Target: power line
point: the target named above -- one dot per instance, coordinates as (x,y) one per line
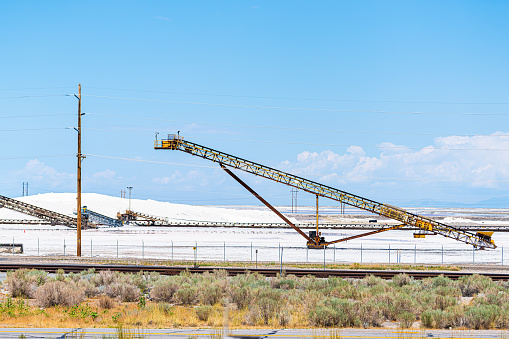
(149,161)
(34,96)
(37,156)
(304,99)
(321,144)
(292,128)
(310,174)
(295,108)
(33,129)
(34,116)
(32,88)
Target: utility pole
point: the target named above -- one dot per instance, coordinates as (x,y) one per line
(80,158)
(130,188)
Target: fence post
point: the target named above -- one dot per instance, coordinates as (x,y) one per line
(473,255)
(307,253)
(361,253)
(251,252)
(12,246)
(256,253)
(502,255)
(281,263)
(64,247)
(224,250)
(172,250)
(415,253)
(442,254)
(279,251)
(37,246)
(334,253)
(142,249)
(389,253)
(324,258)
(117,248)
(90,248)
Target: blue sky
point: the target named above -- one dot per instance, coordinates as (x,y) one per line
(403,102)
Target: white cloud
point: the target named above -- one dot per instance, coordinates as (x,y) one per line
(36,170)
(107,174)
(470,159)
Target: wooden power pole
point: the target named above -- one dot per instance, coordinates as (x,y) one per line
(78,224)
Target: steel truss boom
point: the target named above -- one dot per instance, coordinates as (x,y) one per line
(478,240)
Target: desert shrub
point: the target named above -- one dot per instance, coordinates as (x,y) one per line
(105,278)
(106,302)
(220,274)
(283,283)
(186,294)
(23,282)
(441,281)
(89,289)
(144,280)
(406,319)
(386,304)
(333,312)
(59,293)
(203,312)
(443,302)
(481,317)
(210,294)
(241,296)
(403,303)
(474,284)
(402,279)
(123,291)
(164,289)
(435,319)
(60,275)
(266,306)
(371,281)
(370,314)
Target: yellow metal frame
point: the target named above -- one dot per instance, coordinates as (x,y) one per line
(175,142)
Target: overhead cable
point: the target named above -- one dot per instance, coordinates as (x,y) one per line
(295,108)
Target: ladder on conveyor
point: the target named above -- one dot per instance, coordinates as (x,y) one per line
(99,219)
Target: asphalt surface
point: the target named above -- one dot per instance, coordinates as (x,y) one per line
(266,333)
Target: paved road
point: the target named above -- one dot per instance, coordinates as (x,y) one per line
(280,334)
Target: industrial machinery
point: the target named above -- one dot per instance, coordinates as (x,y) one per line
(480,240)
(141,219)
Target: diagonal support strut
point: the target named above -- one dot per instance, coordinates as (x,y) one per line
(266,203)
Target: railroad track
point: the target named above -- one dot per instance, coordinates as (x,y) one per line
(269,272)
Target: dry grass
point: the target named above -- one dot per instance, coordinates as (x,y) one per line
(254,301)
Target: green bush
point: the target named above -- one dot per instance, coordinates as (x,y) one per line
(482,317)
(406,319)
(333,312)
(203,312)
(186,294)
(435,319)
(474,284)
(164,289)
(402,279)
(210,294)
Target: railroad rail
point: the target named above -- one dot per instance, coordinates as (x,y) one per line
(269,272)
